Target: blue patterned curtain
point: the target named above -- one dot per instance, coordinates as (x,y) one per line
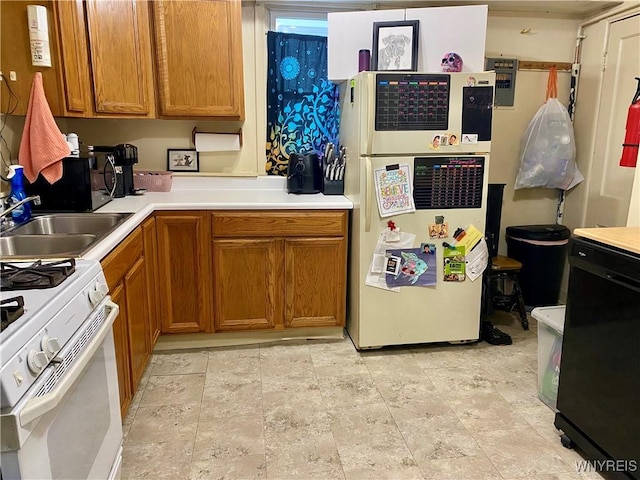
(303,111)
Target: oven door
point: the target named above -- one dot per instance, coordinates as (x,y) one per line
(69,425)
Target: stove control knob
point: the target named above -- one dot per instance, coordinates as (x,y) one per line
(97,292)
(50,346)
(36,361)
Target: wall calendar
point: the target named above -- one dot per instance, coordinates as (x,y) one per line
(448,182)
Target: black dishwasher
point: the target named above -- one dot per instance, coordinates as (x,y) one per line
(599,390)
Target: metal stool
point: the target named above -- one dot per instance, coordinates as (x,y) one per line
(495,294)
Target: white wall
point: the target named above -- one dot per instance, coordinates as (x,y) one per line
(549,40)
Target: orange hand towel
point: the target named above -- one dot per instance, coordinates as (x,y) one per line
(42,145)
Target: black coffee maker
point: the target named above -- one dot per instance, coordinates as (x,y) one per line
(118,168)
(304,173)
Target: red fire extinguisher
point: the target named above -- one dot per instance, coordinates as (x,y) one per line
(632,137)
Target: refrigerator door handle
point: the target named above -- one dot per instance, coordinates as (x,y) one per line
(370,115)
(368,193)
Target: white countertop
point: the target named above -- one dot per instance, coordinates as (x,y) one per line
(211,193)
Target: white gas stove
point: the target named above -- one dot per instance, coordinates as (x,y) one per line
(58,371)
(51,316)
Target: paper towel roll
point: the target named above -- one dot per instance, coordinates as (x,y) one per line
(217,142)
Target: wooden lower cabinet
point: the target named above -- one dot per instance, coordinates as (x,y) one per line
(151,256)
(275,270)
(184,285)
(247,284)
(315,282)
(135,284)
(198,271)
(121,342)
(125,270)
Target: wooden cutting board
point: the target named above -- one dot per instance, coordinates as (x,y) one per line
(627,238)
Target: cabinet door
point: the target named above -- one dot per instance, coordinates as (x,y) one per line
(120,48)
(150,256)
(75,76)
(315,278)
(247,284)
(183,271)
(199,58)
(121,341)
(135,284)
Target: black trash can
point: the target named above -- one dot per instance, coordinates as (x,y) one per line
(542,250)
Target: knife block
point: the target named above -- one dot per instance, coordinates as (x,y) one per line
(333,187)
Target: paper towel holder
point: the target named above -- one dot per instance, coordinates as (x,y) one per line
(196,131)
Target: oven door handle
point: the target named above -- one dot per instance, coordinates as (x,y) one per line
(38,406)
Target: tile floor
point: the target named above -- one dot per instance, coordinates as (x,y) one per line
(321,410)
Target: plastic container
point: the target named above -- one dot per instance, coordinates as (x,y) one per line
(16,176)
(364,60)
(550,332)
(542,250)
(74,144)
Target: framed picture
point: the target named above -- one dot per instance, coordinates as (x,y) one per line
(395,46)
(185,160)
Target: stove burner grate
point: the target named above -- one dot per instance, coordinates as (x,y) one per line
(35,275)
(10,310)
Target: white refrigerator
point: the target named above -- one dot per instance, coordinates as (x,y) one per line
(390,119)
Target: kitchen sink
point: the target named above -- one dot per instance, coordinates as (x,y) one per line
(44,246)
(58,234)
(70,223)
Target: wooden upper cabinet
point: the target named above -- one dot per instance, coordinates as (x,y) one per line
(199,58)
(15,56)
(75,74)
(120,52)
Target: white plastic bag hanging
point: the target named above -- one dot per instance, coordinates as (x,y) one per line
(547,148)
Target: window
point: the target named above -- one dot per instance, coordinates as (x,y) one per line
(304,23)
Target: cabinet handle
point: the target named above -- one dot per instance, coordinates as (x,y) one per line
(629,282)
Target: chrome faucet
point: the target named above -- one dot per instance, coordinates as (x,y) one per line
(35,199)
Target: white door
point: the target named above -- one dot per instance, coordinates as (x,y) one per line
(609,184)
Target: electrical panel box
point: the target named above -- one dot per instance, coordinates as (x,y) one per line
(505,69)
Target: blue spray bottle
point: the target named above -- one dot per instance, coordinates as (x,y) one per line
(23,212)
